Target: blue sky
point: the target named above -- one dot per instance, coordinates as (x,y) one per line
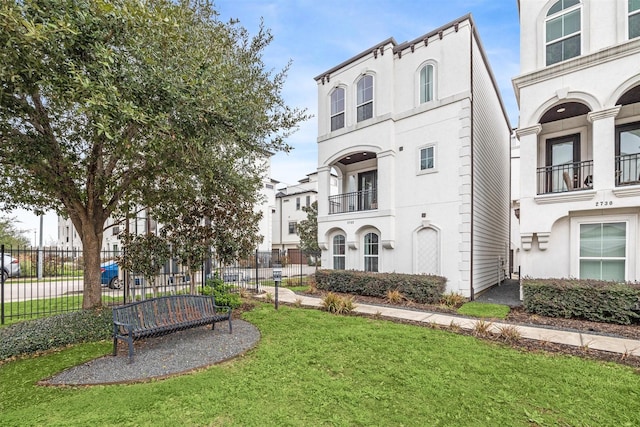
(317,35)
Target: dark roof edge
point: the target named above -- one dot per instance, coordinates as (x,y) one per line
(358,56)
(406,45)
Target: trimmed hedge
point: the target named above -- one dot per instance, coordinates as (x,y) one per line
(599,301)
(420,288)
(46,333)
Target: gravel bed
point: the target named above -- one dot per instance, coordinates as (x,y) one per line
(164,356)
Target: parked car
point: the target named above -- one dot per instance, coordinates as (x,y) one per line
(109,275)
(11,267)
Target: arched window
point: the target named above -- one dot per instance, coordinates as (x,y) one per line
(339,252)
(371,248)
(337,109)
(563,29)
(426,83)
(364,103)
(634,19)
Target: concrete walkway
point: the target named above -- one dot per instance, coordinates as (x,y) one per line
(623,346)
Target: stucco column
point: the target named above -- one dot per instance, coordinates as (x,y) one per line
(386,179)
(604,148)
(324,177)
(528,160)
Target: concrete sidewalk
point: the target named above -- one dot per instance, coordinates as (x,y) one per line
(623,346)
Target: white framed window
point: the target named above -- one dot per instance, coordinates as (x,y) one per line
(293,227)
(337,109)
(634,18)
(297,203)
(426,83)
(339,252)
(371,252)
(308,201)
(563,31)
(603,247)
(364,101)
(427,158)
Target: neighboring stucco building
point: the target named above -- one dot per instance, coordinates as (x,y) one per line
(579,97)
(288,212)
(419,139)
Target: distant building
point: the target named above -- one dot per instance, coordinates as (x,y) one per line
(288,213)
(419,139)
(579,132)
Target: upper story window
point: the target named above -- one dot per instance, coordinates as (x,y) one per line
(562,27)
(426,84)
(634,19)
(297,203)
(364,102)
(337,109)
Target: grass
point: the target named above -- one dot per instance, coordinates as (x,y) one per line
(312,368)
(484,310)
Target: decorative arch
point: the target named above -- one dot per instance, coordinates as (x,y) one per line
(561,98)
(350,150)
(622,89)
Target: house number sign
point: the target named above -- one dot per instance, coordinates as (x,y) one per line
(605,203)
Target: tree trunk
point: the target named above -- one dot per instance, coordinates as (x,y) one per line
(91,248)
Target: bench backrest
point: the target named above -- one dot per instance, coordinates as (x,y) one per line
(161,311)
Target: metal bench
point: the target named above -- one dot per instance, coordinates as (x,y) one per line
(163,315)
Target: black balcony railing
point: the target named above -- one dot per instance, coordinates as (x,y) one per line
(568,177)
(628,169)
(353,202)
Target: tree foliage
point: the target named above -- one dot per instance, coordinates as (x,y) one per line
(10,235)
(308,231)
(109,104)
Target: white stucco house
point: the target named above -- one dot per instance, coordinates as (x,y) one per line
(419,139)
(579,98)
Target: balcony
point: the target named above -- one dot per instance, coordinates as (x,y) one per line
(567,177)
(357,201)
(627,169)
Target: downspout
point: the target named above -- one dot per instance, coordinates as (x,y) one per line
(471,292)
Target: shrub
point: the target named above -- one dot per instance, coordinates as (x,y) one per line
(599,301)
(482,329)
(423,289)
(336,304)
(395,296)
(222,292)
(509,334)
(452,299)
(46,333)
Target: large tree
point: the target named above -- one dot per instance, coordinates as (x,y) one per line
(106,105)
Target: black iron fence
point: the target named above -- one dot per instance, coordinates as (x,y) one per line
(566,177)
(364,200)
(39,282)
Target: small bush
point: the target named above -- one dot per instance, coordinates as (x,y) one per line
(394,296)
(56,331)
(452,299)
(222,293)
(482,329)
(336,304)
(509,334)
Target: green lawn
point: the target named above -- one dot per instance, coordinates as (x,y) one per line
(312,368)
